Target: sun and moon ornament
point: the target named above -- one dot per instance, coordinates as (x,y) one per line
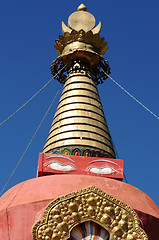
(82,212)
(81,39)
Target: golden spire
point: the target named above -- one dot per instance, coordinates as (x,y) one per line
(79,126)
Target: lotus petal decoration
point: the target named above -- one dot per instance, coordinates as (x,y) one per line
(89,231)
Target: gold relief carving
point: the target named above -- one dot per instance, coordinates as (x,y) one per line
(89,204)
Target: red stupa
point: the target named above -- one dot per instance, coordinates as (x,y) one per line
(78,192)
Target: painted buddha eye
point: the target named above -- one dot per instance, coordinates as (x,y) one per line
(103,170)
(59,166)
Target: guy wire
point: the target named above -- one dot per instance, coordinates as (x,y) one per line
(31,98)
(131,96)
(30,141)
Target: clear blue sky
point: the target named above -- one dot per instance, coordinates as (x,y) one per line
(28,30)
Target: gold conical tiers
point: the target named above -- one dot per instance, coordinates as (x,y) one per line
(79,126)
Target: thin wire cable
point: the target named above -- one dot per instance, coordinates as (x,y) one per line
(30,142)
(132,96)
(30,98)
(125,177)
(118,158)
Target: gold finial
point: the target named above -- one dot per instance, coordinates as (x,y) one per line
(81,29)
(82,7)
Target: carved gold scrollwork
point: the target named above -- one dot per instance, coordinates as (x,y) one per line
(98,74)
(89,204)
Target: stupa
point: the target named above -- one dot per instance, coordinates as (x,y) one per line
(78,192)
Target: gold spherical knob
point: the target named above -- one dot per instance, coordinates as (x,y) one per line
(82,7)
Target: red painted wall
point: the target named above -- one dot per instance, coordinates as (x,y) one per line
(23,205)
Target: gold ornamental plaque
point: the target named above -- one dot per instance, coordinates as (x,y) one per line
(89,204)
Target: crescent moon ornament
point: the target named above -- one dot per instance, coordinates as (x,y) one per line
(97,29)
(65,28)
